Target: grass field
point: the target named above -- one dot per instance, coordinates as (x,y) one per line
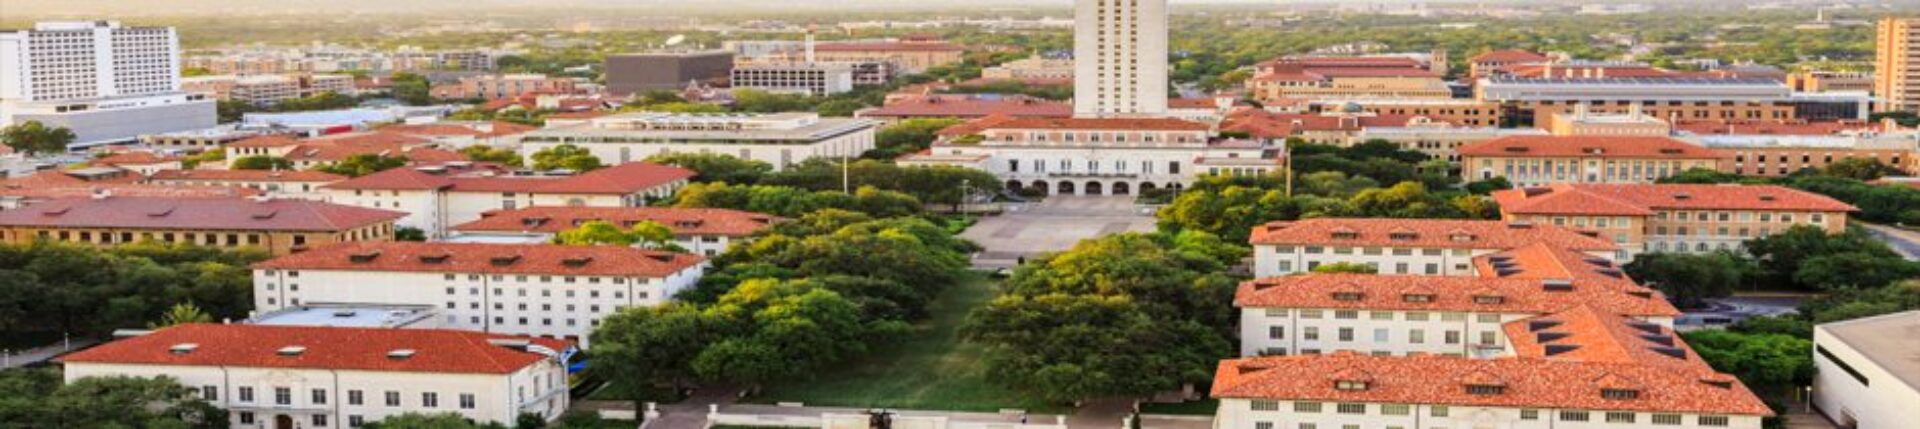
(1204,407)
(930,370)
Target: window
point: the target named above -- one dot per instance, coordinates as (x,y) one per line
(246,418)
(354,397)
(1573,416)
(1438,411)
(1619,393)
(1276,332)
(1666,419)
(1713,420)
(393,398)
(1351,408)
(1262,425)
(1306,407)
(1350,385)
(1396,409)
(319,420)
(1529,414)
(466,401)
(354,421)
(429,400)
(1264,405)
(246,394)
(1619,417)
(319,396)
(210,393)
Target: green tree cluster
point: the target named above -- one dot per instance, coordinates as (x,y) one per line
(795,202)
(364,164)
(1231,207)
(35,398)
(497,155)
(908,136)
(713,167)
(566,157)
(646,234)
(259,162)
(34,137)
(53,288)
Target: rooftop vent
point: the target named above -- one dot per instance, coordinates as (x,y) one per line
(1485,389)
(1348,296)
(1548,337)
(1664,340)
(662,257)
(161,212)
(1609,272)
(1417,297)
(534,221)
(1520,225)
(1489,299)
(1673,352)
(364,257)
(183,348)
(1537,325)
(292,350)
(502,261)
(1722,381)
(1682,196)
(439,258)
(1671,151)
(1558,349)
(400,354)
(1766,198)
(269,214)
(1645,327)
(1557,285)
(1516,149)
(1621,394)
(577,262)
(342,314)
(1641,293)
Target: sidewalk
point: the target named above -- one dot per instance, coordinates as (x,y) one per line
(21,358)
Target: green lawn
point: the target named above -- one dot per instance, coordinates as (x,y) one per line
(1203,407)
(930,370)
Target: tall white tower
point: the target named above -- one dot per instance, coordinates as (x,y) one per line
(1120,58)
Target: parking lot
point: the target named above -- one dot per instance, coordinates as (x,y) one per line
(1053,225)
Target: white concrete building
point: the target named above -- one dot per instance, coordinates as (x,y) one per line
(1866,372)
(706,232)
(105,82)
(1120,58)
(547,291)
(1405,246)
(303,185)
(781,139)
(438,197)
(1094,156)
(303,377)
(815,79)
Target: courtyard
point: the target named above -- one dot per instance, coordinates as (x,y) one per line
(1053,225)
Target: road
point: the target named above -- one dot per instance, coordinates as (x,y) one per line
(1907,243)
(21,358)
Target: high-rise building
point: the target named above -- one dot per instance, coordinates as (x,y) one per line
(106,82)
(666,71)
(1120,58)
(1894,60)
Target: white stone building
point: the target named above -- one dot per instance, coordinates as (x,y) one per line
(1866,375)
(781,139)
(302,377)
(1095,156)
(105,82)
(1120,58)
(706,232)
(1405,246)
(543,290)
(438,197)
(815,79)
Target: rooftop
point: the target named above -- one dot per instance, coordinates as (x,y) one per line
(623,179)
(970,106)
(1423,233)
(686,221)
(345,316)
(1889,341)
(245,214)
(245,176)
(543,259)
(1587,146)
(1645,199)
(1446,293)
(365,349)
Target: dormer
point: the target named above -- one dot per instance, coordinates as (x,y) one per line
(502,261)
(1344,233)
(1482,383)
(1352,380)
(291,351)
(1402,234)
(363,257)
(577,261)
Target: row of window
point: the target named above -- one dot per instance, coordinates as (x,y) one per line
(1444,411)
(284,396)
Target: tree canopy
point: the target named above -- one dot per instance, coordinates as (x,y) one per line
(36,398)
(566,157)
(34,137)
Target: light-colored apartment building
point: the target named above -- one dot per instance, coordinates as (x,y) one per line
(1545,160)
(706,232)
(781,139)
(1864,374)
(436,198)
(1896,64)
(1119,52)
(1674,218)
(1088,156)
(105,82)
(278,226)
(1404,246)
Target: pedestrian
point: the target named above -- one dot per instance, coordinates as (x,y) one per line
(1023,417)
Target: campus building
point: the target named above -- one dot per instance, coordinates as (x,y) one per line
(706,232)
(1674,218)
(543,290)
(1896,64)
(1405,246)
(506,87)
(629,74)
(1119,53)
(780,139)
(268,90)
(1086,156)
(1672,98)
(438,197)
(813,79)
(278,226)
(105,82)
(273,377)
(1341,78)
(1864,372)
(304,185)
(1545,160)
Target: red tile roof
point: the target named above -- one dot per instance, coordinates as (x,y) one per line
(241,214)
(629,178)
(544,259)
(274,140)
(1103,124)
(682,221)
(133,158)
(1264,124)
(1525,383)
(363,349)
(245,176)
(1795,128)
(497,128)
(1587,147)
(1446,293)
(1645,199)
(967,106)
(48,185)
(1508,56)
(1590,334)
(1326,73)
(1422,233)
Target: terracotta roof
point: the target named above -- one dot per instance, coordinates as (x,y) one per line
(1263,124)
(1584,71)
(1348,62)
(1524,383)
(1587,147)
(498,128)
(1589,334)
(54,185)
(1794,128)
(364,349)
(910,46)
(1325,73)
(134,158)
(1193,103)
(976,126)
(1444,293)
(968,106)
(195,214)
(579,115)
(1645,199)
(245,176)
(621,179)
(274,140)
(683,221)
(1104,124)
(1508,56)
(474,258)
(1422,233)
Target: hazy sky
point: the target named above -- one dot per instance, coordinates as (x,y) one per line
(17,8)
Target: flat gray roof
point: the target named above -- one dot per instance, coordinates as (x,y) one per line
(1891,341)
(346,316)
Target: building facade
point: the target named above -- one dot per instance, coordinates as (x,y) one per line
(105,82)
(707,232)
(304,185)
(541,290)
(814,79)
(1082,156)
(278,226)
(438,197)
(1119,52)
(506,87)
(1674,218)
(1863,376)
(779,139)
(1400,246)
(1896,64)
(1545,160)
(1535,100)
(274,377)
(666,71)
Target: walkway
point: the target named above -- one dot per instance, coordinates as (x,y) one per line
(1905,242)
(19,358)
(1052,225)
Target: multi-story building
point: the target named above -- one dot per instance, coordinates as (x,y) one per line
(286,377)
(907,55)
(1404,246)
(965,106)
(46,186)
(778,139)
(1329,128)
(1438,140)
(815,79)
(700,231)
(1088,156)
(1584,122)
(1826,81)
(1119,51)
(1486,63)
(1674,218)
(279,226)
(505,87)
(438,197)
(1456,111)
(1534,100)
(105,82)
(306,154)
(204,139)
(666,71)
(1340,78)
(1781,155)
(267,90)
(295,184)
(1544,160)
(1864,374)
(543,290)
(1037,67)
(1896,64)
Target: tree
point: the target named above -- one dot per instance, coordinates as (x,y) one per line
(230,111)
(839,108)
(36,398)
(497,155)
(429,421)
(653,344)
(1783,254)
(364,164)
(908,136)
(713,167)
(412,89)
(260,162)
(408,233)
(1703,176)
(1689,280)
(1865,169)
(1346,267)
(1066,347)
(181,313)
(35,138)
(1853,270)
(1486,187)
(647,234)
(1761,360)
(566,157)
(51,288)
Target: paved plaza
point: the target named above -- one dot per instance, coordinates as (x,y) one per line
(1053,225)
